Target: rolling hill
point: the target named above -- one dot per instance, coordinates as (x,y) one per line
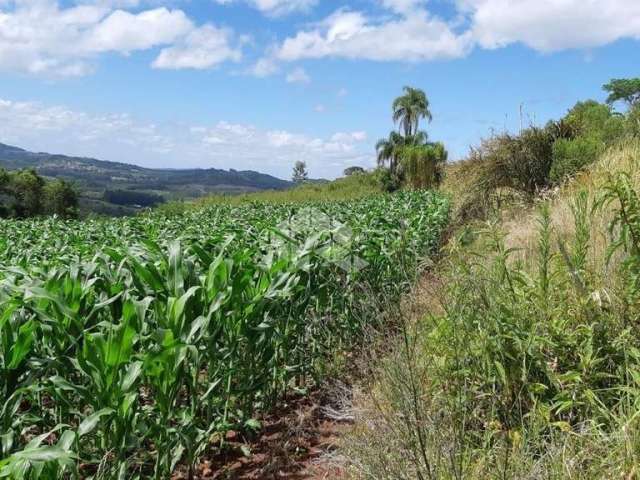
(120,188)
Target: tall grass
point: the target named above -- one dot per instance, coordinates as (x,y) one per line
(530,367)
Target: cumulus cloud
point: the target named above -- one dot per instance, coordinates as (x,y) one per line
(298,75)
(354,35)
(410,32)
(551,25)
(276,7)
(41,37)
(121,137)
(202,48)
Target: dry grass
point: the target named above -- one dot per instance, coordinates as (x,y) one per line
(393,417)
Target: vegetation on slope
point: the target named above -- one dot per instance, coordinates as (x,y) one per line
(132,183)
(526,363)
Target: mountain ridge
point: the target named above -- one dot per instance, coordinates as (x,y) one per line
(99,179)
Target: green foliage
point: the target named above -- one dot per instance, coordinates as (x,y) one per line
(60,198)
(632,123)
(387,180)
(410,156)
(132,345)
(24,193)
(571,156)
(353,171)
(594,128)
(530,364)
(409,108)
(626,89)
(346,188)
(389,150)
(422,165)
(26,188)
(538,158)
(517,162)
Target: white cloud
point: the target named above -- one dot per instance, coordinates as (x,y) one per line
(343,92)
(202,48)
(350,34)
(121,137)
(412,33)
(276,7)
(349,137)
(263,68)
(551,25)
(319,108)
(40,37)
(298,75)
(122,31)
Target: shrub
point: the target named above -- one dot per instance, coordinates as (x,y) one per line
(422,165)
(594,127)
(570,156)
(518,162)
(387,180)
(632,122)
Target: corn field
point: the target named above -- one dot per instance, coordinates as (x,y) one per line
(128,347)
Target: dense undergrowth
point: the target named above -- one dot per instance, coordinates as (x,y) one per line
(129,347)
(527,363)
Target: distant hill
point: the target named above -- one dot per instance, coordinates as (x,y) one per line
(120,188)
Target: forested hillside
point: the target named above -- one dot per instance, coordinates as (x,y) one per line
(119,188)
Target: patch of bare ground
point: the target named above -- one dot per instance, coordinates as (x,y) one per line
(297,441)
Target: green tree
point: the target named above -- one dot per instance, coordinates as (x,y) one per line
(300,173)
(409,108)
(388,150)
(26,188)
(626,89)
(355,170)
(60,198)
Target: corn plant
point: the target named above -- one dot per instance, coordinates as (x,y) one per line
(130,346)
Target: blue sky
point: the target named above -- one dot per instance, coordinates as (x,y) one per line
(259,84)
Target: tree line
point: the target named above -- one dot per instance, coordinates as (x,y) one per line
(24,193)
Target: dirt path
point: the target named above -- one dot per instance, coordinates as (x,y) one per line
(297,441)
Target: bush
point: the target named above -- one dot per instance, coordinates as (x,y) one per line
(519,162)
(386,180)
(591,117)
(632,122)
(570,156)
(422,165)
(594,127)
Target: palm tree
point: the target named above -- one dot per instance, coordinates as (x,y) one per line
(388,150)
(409,108)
